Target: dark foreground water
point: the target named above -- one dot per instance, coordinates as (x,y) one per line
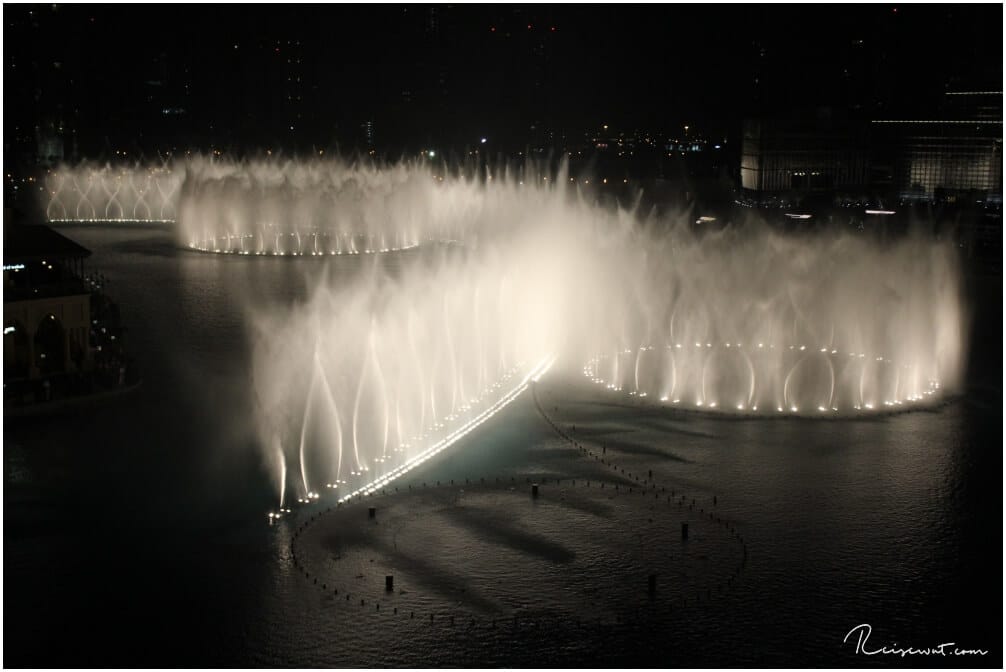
(141,539)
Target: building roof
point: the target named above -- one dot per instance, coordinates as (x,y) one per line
(30,242)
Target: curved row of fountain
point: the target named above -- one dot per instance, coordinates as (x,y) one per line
(790,379)
(372,373)
(370,379)
(754,321)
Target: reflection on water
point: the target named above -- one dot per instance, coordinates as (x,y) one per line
(142,540)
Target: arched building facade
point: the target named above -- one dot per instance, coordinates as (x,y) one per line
(47,311)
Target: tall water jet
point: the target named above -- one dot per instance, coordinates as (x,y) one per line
(747,319)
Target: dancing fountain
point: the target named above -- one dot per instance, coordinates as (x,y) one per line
(373,375)
(315,208)
(259,207)
(752,321)
(93,193)
(745,320)
(362,384)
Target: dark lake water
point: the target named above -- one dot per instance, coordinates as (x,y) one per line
(141,538)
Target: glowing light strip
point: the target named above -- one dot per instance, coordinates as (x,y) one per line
(880,212)
(109,220)
(545,370)
(533,375)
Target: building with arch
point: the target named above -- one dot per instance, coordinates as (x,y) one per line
(47,311)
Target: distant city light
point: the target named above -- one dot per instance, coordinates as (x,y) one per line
(936,121)
(431,153)
(483,141)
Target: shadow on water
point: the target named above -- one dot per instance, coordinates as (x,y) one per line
(439,578)
(494,528)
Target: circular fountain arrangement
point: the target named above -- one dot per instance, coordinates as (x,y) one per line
(762,379)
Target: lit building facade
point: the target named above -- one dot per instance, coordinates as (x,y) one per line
(953,155)
(47,308)
(789,159)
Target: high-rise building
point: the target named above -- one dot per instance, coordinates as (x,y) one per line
(792,159)
(948,156)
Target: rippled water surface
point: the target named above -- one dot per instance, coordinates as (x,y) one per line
(141,538)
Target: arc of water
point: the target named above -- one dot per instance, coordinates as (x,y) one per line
(334,411)
(751,371)
(318,374)
(113,198)
(167,198)
(674,376)
(501,307)
(140,197)
(55,196)
(702,383)
(635,368)
(383,393)
(418,364)
(785,385)
(862,382)
(831,391)
(398,414)
(281,458)
(356,412)
(303,426)
(480,359)
(451,354)
(84,197)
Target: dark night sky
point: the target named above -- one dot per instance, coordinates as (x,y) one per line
(228,75)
